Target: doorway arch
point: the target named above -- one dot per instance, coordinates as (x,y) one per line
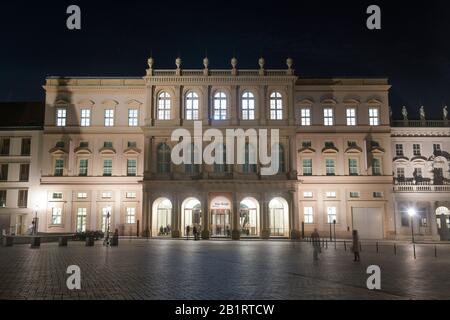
(249,217)
(443,223)
(220,217)
(162,217)
(191,215)
(279,217)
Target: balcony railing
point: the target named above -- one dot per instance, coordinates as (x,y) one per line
(420,185)
(421,123)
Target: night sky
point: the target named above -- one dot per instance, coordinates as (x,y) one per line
(325,38)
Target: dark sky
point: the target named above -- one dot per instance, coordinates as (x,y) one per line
(325,38)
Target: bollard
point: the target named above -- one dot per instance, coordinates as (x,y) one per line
(326,244)
(395,249)
(360,247)
(35,242)
(414,248)
(377,246)
(345,246)
(435,251)
(62,241)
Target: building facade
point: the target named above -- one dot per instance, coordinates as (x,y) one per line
(107,146)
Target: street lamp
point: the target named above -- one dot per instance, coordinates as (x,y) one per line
(412,213)
(35,221)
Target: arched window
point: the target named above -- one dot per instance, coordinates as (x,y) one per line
(281,162)
(164,106)
(163,158)
(248,106)
(276,106)
(220,106)
(192,168)
(250,159)
(192,106)
(222,155)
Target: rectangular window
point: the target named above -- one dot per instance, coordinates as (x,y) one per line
(378,194)
(416,150)
(83,169)
(61,117)
(351,117)
(56,216)
(132,144)
(354,194)
(25,149)
(57,195)
(306,116)
(330,194)
(330,168)
(328,117)
(401,173)
(399,150)
(109,117)
(306,144)
(131,167)
(307,194)
(308,215)
(23,199)
(376,167)
(59,167)
(307,167)
(4,147)
(106,195)
(84,144)
(374,118)
(352,144)
(132,117)
(329,144)
(353,167)
(4,172)
(2,198)
(418,172)
(107,144)
(331,214)
(131,215)
(107,167)
(437,147)
(85,117)
(130,195)
(24,172)
(60,144)
(81,219)
(82,195)
(404,217)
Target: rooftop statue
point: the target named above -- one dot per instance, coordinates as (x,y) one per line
(422,113)
(405,113)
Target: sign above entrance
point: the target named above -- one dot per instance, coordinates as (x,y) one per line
(220,203)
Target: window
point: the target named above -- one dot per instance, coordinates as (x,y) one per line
(307,167)
(250,159)
(107,167)
(437,147)
(107,144)
(374,119)
(60,144)
(221,156)
(330,194)
(109,117)
(107,195)
(132,144)
(164,106)
(130,195)
(85,117)
(4,172)
(308,215)
(417,173)
(82,195)
(81,219)
(378,194)
(404,217)
(23,199)
(131,215)
(248,106)
(401,173)
(83,169)
(57,195)
(353,167)
(416,149)
(305,115)
(84,144)
(192,106)
(2,198)
(56,216)
(307,194)
(163,158)
(4,148)
(306,144)
(329,166)
(328,117)
(26,147)
(331,214)
(351,117)
(399,150)
(329,144)
(376,167)
(59,167)
(352,144)
(220,106)
(131,167)
(276,106)
(132,117)
(24,172)
(192,168)
(61,117)
(354,194)
(106,216)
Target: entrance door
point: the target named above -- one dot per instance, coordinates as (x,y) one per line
(220,222)
(368,222)
(443,223)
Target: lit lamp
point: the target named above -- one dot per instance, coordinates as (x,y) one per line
(35,221)
(412,213)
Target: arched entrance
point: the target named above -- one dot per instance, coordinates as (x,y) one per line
(249,217)
(443,223)
(162,217)
(191,210)
(220,217)
(279,217)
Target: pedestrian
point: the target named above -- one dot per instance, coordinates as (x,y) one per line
(315,239)
(355,246)
(188,231)
(194,231)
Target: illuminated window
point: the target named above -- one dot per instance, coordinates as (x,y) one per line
(331,214)
(56,216)
(192,106)
(308,215)
(248,106)
(374,119)
(351,117)
(130,215)
(61,117)
(305,116)
(328,119)
(276,106)
(164,106)
(109,117)
(220,106)
(132,117)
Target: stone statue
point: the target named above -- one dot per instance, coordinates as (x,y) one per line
(234,62)
(289,63)
(150,62)
(206,62)
(405,113)
(422,113)
(178,62)
(261,62)
(445,112)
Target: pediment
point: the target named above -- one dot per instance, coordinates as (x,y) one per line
(110,103)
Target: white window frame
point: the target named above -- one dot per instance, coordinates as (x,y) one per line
(305,115)
(133,117)
(330,194)
(331,214)
(192,106)
(308,194)
(308,215)
(56,216)
(130,215)
(85,120)
(399,152)
(374,116)
(109,117)
(328,116)
(164,106)
(82,195)
(61,117)
(351,116)
(276,106)
(419,149)
(220,102)
(248,106)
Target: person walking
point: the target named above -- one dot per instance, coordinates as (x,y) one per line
(194,231)
(355,246)
(315,239)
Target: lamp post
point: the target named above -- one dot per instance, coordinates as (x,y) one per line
(412,213)
(35,221)
(334,229)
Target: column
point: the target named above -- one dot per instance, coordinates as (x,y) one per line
(265,231)
(433,222)
(175,216)
(145,223)
(262,105)
(205,216)
(290,104)
(292,158)
(235,233)
(295,226)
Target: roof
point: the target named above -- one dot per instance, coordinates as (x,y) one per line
(22,115)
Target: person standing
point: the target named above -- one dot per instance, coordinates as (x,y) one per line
(188,231)
(355,246)
(194,231)
(315,239)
